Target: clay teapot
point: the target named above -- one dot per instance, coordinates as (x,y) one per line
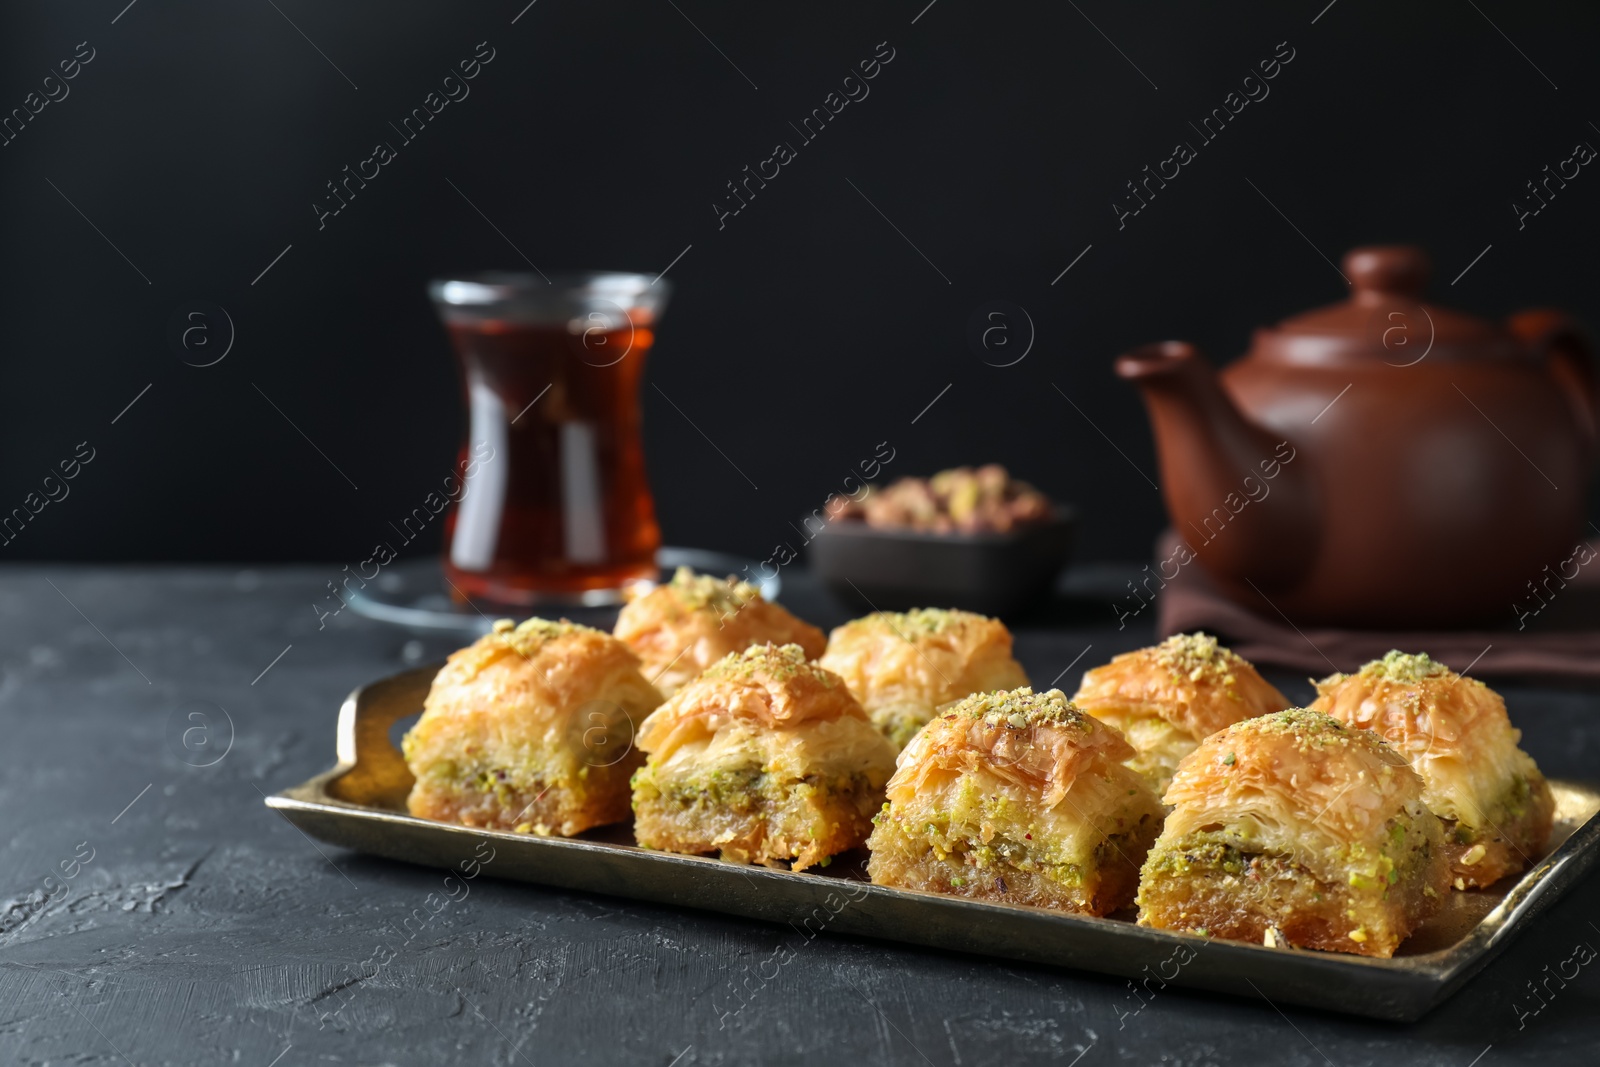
(1381,462)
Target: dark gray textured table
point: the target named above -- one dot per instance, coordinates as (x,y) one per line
(155,912)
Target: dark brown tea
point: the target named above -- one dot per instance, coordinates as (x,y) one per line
(558,508)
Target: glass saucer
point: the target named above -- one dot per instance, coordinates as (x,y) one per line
(416,595)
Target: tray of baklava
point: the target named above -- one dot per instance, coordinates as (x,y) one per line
(1175,821)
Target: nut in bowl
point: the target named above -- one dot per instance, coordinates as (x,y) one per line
(971,539)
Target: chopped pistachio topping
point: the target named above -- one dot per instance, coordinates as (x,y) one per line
(703,591)
(1404,668)
(1295,721)
(1196,655)
(530,635)
(918,622)
(1022,708)
(1309,728)
(783,662)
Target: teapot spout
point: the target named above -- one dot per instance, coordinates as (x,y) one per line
(1241,497)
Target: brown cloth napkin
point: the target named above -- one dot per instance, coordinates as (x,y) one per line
(1561,640)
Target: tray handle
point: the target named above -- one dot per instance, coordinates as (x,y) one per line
(374,771)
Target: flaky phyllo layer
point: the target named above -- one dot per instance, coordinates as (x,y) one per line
(764,757)
(1453,730)
(904,666)
(530,728)
(1016,795)
(681,628)
(1291,825)
(1296,784)
(1455,733)
(1158,745)
(1168,698)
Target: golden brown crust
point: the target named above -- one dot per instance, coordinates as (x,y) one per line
(1167,698)
(1189,680)
(1291,768)
(1293,824)
(1456,734)
(766,685)
(904,666)
(1038,741)
(1020,797)
(681,628)
(764,758)
(530,728)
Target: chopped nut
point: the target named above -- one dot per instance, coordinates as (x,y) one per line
(1270,938)
(723,595)
(1194,656)
(1398,667)
(1359,934)
(960,500)
(1473,855)
(1022,708)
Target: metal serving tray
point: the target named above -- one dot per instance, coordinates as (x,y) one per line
(360,804)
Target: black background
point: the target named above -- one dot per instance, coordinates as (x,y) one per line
(805,331)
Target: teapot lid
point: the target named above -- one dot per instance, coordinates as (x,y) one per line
(1384,318)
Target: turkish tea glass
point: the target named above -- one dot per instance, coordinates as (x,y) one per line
(555,507)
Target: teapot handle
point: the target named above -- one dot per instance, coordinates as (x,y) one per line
(1569,352)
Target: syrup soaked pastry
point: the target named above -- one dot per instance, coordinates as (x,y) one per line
(1293,830)
(681,628)
(904,666)
(1495,804)
(1169,698)
(763,758)
(530,728)
(1017,797)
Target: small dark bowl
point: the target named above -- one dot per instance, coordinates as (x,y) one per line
(990,573)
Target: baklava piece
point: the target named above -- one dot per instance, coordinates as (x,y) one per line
(1169,698)
(904,666)
(1292,830)
(530,728)
(763,758)
(681,628)
(1017,797)
(1495,804)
